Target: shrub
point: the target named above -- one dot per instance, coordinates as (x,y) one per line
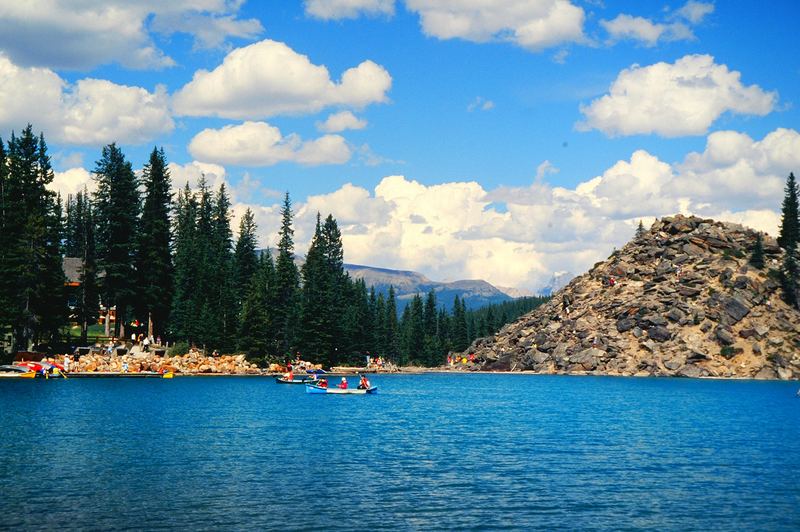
(179,348)
(728,351)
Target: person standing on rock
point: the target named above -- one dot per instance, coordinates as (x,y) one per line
(565,302)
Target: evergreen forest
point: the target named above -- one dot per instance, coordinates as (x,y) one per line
(171,263)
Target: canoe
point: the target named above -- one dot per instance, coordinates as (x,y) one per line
(310,388)
(168,375)
(281,380)
(17,375)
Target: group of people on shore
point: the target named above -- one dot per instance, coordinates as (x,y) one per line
(454,359)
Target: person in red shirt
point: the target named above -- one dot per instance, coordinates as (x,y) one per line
(363,383)
(343,384)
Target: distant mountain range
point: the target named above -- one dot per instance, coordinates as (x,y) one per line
(475,292)
(558,281)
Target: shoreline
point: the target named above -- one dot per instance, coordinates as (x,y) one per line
(408,371)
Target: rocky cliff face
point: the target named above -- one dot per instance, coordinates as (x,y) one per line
(683,302)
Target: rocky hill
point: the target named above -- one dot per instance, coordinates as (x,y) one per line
(683,302)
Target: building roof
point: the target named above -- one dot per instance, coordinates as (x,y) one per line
(73,266)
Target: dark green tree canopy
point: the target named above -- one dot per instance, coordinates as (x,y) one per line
(790,220)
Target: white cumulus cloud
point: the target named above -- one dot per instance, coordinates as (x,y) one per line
(695,11)
(674,99)
(89,112)
(341,9)
(341,121)
(84,34)
(531,24)
(191,173)
(268,78)
(72,181)
(81,35)
(260,144)
(519,236)
(644,30)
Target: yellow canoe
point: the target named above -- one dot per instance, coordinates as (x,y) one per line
(168,375)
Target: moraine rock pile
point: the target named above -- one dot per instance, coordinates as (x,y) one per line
(683,302)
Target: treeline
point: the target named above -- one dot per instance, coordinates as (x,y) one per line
(173,263)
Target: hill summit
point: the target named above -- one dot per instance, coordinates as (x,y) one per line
(678,300)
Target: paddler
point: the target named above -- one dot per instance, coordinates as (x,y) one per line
(363,383)
(343,385)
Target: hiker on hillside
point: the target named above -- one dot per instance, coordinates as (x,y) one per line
(565,302)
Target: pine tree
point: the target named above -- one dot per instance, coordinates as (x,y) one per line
(51,306)
(6,246)
(379,337)
(443,326)
(207,325)
(338,280)
(31,270)
(640,230)
(460,331)
(223,302)
(183,321)
(117,211)
(88,300)
(416,330)
(392,328)
(790,221)
(431,346)
(356,331)
(154,258)
(254,324)
(757,258)
(287,280)
(315,337)
(245,260)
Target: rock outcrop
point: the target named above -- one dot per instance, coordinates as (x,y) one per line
(192,362)
(681,300)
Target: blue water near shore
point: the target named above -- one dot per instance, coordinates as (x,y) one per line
(429,452)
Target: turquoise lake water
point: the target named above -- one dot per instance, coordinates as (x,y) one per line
(429,452)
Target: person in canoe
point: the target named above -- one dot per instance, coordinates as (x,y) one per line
(323,383)
(364,383)
(343,385)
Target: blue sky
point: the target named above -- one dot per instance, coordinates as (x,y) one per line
(505,139)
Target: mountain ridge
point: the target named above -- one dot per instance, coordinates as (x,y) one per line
(476,293)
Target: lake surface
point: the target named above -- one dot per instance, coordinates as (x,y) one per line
(428,452)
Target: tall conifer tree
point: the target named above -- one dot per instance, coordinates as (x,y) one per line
(117,209)
(154,257)
(790,221)
(287,280)
(223,302)
(88,300)
(392,327)
(315,337)
(184,305)
(254,325)
(245,261)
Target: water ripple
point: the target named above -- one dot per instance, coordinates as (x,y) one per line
(430,452)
